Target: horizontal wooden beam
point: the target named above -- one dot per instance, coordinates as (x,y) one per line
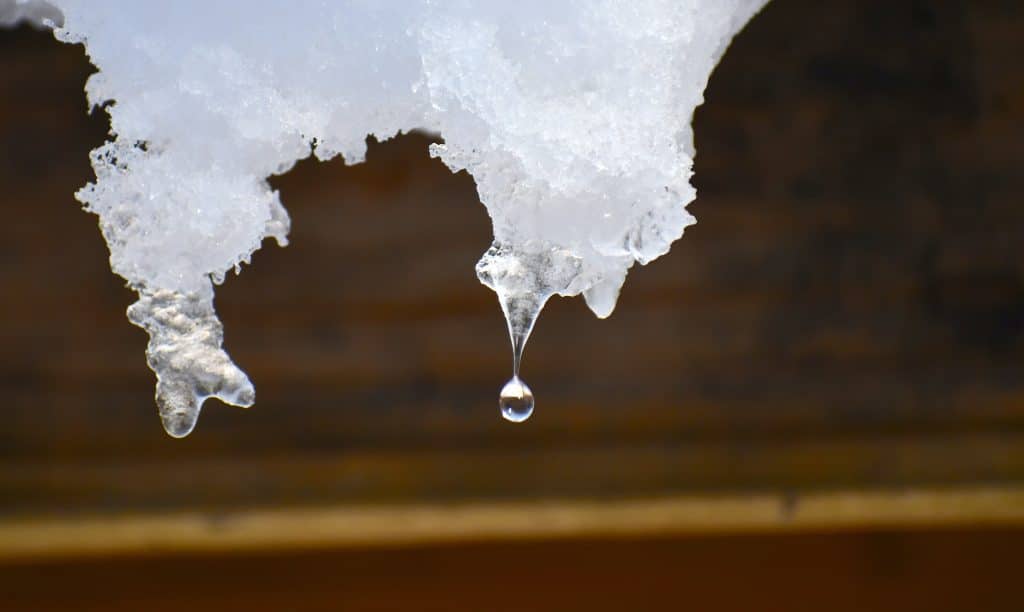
(393,525)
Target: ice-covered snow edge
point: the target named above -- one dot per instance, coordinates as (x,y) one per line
(572,117)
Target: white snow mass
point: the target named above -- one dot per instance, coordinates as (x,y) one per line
(572,116)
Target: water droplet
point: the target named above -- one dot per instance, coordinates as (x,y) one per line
(516,401)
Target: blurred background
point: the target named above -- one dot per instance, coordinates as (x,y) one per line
(814,402)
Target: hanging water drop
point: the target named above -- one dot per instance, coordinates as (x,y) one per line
(516,400)
(524,281)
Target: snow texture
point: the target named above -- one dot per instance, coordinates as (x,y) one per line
(572,116)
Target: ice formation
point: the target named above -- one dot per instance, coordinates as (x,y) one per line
(572,116)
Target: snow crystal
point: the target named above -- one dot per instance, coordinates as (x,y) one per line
(573,118)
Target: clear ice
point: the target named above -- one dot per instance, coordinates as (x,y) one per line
(185,351)
(573,118)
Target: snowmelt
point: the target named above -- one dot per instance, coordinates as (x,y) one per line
(572,116)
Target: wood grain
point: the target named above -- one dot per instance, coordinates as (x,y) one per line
(920,571)
(284,531)
(848,313)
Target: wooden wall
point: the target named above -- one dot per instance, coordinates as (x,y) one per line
(847,314)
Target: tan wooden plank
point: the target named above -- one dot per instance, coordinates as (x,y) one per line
(382,525)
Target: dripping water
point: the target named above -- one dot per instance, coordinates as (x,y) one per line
(516,399)
(524,277)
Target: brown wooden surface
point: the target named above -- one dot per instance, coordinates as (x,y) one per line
(960,571)
(848,312)
(363,526)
